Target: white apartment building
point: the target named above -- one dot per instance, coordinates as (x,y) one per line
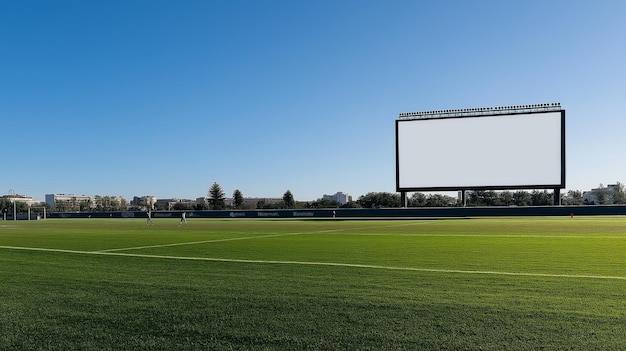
(146,201)
(52,199)
(340,197)
(22,198)
(594,196)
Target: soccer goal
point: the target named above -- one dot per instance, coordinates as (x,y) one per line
(36,212)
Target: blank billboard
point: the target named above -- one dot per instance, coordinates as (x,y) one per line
(512,151)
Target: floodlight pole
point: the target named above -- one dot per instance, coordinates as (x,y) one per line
(13,195)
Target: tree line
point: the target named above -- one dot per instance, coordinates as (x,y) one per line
(217,200)
(389,200)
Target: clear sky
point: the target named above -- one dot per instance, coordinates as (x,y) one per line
(163,98)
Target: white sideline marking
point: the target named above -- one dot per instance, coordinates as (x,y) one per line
(186,243)
(226,239)
(327,264)
(551,236)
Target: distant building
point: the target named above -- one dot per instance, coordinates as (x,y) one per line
(72,202)
(108,203)
(53,199)
(21,198)
(258,202)
(168,204)
(202,201)
(146,202)
(601,195)
(340,197)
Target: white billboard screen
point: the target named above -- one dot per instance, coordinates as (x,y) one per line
(498,152)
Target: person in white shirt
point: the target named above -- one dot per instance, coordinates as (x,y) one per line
(183,219)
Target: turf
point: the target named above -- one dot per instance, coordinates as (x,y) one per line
(467,284)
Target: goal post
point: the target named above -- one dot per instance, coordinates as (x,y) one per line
(38,217)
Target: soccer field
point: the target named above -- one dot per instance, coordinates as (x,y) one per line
(469,283)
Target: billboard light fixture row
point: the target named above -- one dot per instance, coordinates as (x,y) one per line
(554,106)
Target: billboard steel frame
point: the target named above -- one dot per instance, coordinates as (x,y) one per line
(484,112)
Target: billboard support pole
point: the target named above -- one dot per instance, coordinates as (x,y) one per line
(403,202)
(557,197)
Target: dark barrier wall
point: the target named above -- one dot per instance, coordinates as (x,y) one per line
(366,212)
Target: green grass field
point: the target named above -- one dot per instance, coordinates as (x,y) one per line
(451,284)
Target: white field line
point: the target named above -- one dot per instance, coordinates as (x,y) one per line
(231,239)
(565,236)
(321,264)
(187,243)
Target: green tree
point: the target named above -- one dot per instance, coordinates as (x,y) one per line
(122,204)
(62,206)
(351,204)
(201,206)
(541,198)
(99,203)
(439,200)
(182,206)
(288,201)
(262,205)
(85,206)
(237,199)
(107,203)
(474,198)
(492,198)
(217,197)
(506,198)
(324,203)
(5,205)
(378,200)
(521,198)
(602,195)
(619,195)
(417,200)
(482,198)
(74,204)
(573,197)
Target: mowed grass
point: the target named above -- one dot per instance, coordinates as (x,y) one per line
(466,284)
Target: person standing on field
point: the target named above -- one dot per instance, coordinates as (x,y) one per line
(149,220)
(183,219)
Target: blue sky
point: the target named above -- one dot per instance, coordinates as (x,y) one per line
(164,98)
